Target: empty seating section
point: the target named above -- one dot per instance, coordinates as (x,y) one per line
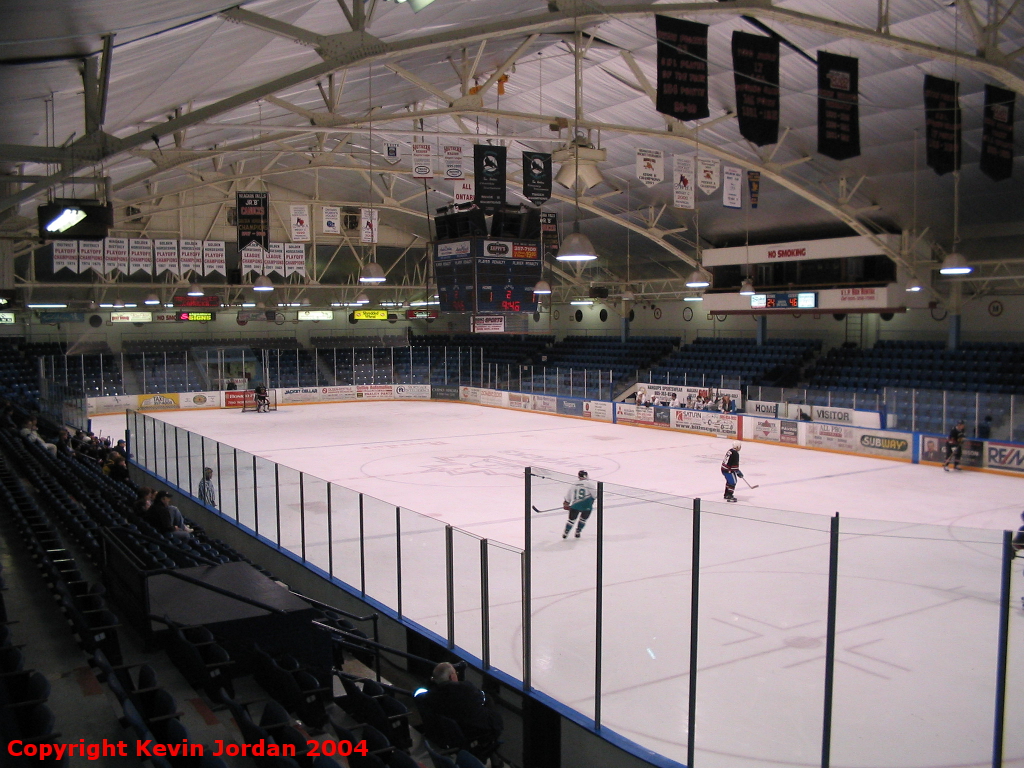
(173,371)
(167,345)
(18,378)
(736,361)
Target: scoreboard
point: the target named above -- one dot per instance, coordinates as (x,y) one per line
(487,275)
(804,300)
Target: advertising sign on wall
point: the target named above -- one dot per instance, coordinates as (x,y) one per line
(375,392)
(633,414)
(974,453)
(570,406)
(689,397)
(597,410)
(412,391)
(520,401)
(199,400)
(162,402)
(444,392)
(999,455)
(724,424)
(836,437)
(299,395)
(545,404)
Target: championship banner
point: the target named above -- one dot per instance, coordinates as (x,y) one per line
(754,187)
(252,219)
(453,161)
(368,221)
(537,177)
(65,255)
(465,192)
(549,234)
(682,181)
(273,260)
(115,255)
(422,165)
(294,259)
(755,63)
(997,133)
(392,152)
(299,223)
(165,256)
(682,68)
(90,256)
(215,257)
(332,219)
(190,256)
(650,166)
(708,174)
(251,259)
(942,124)
(140,256)
(732,187)
(489,170)
(838,110)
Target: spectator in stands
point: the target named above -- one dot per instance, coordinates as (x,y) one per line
(167,518)
(122,448)
(7,415)
(232,386)
(207,490)
(985,428)
(117,468)
(64,447)
(29,432)
(143,501)
(728,405)
(674,402)
(466,704)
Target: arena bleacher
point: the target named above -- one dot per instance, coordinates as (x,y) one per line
(775,363)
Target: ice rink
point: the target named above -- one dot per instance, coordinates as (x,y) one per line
(919,584)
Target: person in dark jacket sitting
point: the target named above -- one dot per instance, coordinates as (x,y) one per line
(466,704)
(167,518)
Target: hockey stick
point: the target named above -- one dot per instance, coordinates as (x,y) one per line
(751,487)
(541,511)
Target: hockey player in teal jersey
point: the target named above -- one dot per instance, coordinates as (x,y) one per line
(579,501)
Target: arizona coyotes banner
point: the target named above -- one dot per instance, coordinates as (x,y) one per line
(369,218)
(140,255)
(732,187)
(453,161)
(997,133)
(165,255)
(115,255)
(90,256)
(650,166)
(942,124)
(273,260)
(65,255)
(755,63)
(294,259)
(537,177)
(708,174)
(252,217)
(682,181)
(489,169)
(754,187)
(682,68)
(215,258)
(838,108)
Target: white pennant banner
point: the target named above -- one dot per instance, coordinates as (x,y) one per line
(422,166)
(332,219)
(368,221)
(215,257)
(708,174)
(294,259)
(65,255)
(115,255)
(251,259)
(682,181)
(650,166)
(140,256)
(732,187)
(392,152)
(190,257)
(299,223)
(453,162)
(90,256)
(273,261)
(165,255)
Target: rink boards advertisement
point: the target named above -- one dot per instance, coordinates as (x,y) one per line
(973,453)
(662,394)
(723,424)
(836,437)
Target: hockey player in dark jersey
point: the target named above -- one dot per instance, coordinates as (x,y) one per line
(954,446)
(731,470)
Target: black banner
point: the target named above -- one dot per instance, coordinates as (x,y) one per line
(489,169)
(682,68)
(537,177)
(252,219)
(755,63)
(549,234)
(838,110)
(997,133)
(754,187)
(942,121)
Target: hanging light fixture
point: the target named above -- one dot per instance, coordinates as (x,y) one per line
(263,284)
(542,288)
(118,303)
(362,298)
(152,299)
(697,279)
(195,289)
(914,285)
(747,287)
(304,301)
(955,264)
(372,272)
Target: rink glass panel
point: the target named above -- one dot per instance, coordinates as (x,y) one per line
(424,571)
(466,590)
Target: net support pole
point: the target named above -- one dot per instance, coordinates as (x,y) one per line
(1004,634)
(830,640)
(526,569)
(691,717)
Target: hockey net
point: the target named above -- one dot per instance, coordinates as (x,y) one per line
(250,403)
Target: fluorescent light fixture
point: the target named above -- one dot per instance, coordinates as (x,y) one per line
(955,264)
(362,298)
(337,304)
(131,304)
(542,288)
(66,220)
(697,280)
(263,284)
(152,299)
(416,5)
(169,306)
(747,287)
(106,306)
(47,306)
(304,301)
(581,302)
(417,303)
(118,304)
(693,298)
(576,247)
(249,304)
(432,291)
(372,273)
(914,286)
(195,290)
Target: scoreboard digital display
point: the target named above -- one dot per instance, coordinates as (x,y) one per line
(806,300)
(199,302)
(487,275)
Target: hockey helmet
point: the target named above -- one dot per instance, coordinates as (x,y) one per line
(737,445)
(582,474)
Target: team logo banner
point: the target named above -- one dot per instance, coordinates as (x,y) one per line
(90,256)
(489,169)
(215,258)
(755,63)
(537,177)
(754,187)
(732,187)
(708,174)
(422,166)
(294,259)
(140,255)
(650,166)
(838,110)
(299,221)
(368,222)
(165,255)
(65,255)
(392,152)
(682,68)
(453,162)
(332,219)
(942,124)
(682,181)
(115,255)
(997,133)
(252,219)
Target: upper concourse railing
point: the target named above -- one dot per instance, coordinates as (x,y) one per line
(797,638)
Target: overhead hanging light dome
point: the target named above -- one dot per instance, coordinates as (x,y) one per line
(263,284)
(697,279)
(747,287)
(576,247)
(152,299)
(955,264)
(119,303)
(542,287)
(195,289)
(362,298)
(372,273)
(914,286)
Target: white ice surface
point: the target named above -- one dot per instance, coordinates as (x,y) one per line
(918,579)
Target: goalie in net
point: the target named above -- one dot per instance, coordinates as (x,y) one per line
(260,399)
